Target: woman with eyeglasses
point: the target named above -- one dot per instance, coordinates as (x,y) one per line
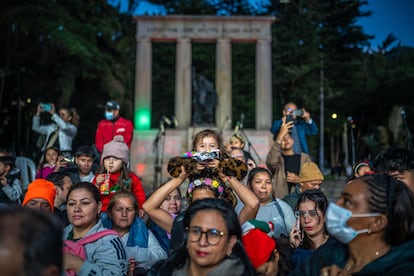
(309,232)
(205,184)
(373,224)
(212,244)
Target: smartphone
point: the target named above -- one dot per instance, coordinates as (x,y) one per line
(47,107)
(289,118)
(300,230)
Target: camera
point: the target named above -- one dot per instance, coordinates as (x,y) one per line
(69,160)
(297,113)
(206,156)
(47,107)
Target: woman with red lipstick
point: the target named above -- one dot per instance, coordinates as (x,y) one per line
(212,244)
(310,232)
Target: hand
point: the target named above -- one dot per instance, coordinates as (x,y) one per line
(284,129)
(100,178)
(3,180)
(306,115)
(61,163)
(333,270)
(295,236)
(183,175)
(73,262)
(39,109)
(53,109)
(292,177)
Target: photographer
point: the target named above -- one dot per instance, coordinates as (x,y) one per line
(302,126)
(61,132)
(10,185)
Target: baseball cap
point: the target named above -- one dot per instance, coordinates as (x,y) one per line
(112,105)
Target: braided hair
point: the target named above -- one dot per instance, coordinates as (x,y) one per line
(393,198)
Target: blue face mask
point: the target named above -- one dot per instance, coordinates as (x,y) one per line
(109,115)
(336,219)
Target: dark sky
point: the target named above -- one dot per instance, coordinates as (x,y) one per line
(390,16)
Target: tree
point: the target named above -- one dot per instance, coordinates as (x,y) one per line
(59,51)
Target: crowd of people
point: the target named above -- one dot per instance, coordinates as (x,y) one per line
(235,218)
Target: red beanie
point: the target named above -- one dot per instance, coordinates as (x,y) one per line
(41,188)
(257,243)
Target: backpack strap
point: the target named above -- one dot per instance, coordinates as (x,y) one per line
(279,209)
(96,236)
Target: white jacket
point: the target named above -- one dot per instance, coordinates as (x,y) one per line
(67,131)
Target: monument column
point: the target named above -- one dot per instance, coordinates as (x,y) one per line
(223,81)
(183,95)
(263,84)
(143,84)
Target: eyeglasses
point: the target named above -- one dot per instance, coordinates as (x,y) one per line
(176,198)
(303,214)
(213,236)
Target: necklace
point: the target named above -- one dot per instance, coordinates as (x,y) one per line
(349,266)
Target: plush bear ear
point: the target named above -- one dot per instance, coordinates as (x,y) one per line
(174,166)
(234,167)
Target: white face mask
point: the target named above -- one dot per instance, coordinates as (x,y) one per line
(109,115)
(336,219)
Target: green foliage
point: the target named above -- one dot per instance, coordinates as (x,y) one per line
(81,53)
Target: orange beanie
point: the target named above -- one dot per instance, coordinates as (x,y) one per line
(41,188)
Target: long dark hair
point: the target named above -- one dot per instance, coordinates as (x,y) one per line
(321,203)
(179,256)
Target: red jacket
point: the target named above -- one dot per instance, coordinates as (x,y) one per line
(108,129)
(136,189)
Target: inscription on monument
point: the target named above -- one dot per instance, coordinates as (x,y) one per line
(237,29)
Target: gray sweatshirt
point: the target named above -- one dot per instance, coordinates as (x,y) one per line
(105,256)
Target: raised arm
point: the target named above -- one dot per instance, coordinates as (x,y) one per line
(272,160)
(152,205)
(249,199)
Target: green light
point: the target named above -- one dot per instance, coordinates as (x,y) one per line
(142,119)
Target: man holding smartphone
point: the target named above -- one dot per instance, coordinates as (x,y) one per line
(302,126)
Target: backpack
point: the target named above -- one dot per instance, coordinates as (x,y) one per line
(78,249)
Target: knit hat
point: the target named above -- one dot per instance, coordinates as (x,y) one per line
(310,172)
(41,188)
(257,241)
(116,148)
